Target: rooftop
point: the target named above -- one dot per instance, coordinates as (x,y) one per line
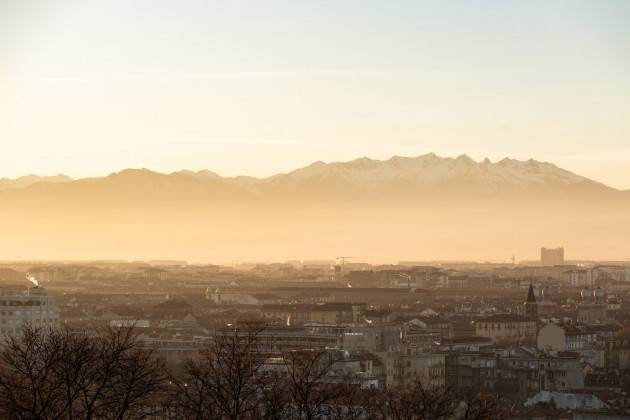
(506,318)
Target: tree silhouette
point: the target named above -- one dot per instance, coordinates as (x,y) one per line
(57,374)
(225,381)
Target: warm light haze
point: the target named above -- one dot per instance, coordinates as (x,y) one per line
(92,87)
(315,209)
(488,129)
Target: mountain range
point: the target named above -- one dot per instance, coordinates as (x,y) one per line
(402,208)
(360,177)
(28,180)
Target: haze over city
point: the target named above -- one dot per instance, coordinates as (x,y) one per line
(404,208)
(315,210)
(254,90)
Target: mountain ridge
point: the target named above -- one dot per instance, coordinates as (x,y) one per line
(30,179)
(400,208)
(361,176)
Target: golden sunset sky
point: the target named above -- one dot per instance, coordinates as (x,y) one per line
(257,87)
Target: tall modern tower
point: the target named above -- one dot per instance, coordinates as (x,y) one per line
(551,256)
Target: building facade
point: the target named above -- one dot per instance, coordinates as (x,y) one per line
(406,365)
(551,256)
(34,308)
(509,328)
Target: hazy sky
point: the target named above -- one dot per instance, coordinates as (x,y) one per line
(261,86)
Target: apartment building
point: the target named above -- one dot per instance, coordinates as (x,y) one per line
(507,328)
(34,307)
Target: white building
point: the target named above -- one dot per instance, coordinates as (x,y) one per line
(567,401)
(35,308)
(579,278)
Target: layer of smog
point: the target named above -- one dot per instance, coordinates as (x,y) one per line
(314,210)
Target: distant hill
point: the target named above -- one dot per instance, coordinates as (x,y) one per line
(401,208)
(360,178)
(28,180)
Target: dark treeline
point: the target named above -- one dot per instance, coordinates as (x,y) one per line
(59,374)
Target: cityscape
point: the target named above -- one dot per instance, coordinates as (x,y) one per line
(314,210)
(541,338)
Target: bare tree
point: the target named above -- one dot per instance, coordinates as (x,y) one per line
(47,373)
(56,374)
(28,387)
(417,402)
(130,377)
(224,382)
(314,391)
(354,404)
(274,399)
(474,405)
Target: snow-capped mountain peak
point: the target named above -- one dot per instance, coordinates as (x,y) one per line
(431,170)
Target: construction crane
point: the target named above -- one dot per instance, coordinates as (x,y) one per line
(343,265)
(343,260)
(406,276)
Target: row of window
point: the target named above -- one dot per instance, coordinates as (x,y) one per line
(23,321)
(533,364)
(485,326)
(25,312)
(25,303)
